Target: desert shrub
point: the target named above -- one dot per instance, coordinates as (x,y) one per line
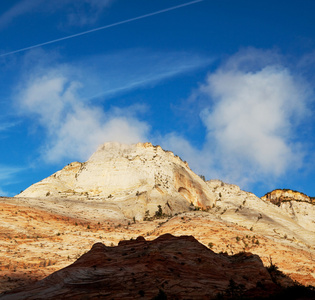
(159,212)
(202,177)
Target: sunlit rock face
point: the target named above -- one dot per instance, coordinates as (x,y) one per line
(284,195)
(300,207)
(135,179)
(292,221)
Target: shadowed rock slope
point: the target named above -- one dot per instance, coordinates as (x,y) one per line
(176,267)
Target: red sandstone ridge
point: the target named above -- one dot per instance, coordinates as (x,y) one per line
(176,267)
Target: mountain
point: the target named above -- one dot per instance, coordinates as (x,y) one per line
(124,191)
(130,181)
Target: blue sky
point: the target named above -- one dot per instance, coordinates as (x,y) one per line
(227,85)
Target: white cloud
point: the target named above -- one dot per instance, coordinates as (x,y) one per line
(251,117)
(74,128)
(67,99)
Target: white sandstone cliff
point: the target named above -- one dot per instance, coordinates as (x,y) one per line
(131,179)
(291,222)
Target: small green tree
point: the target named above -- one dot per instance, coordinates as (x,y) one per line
(159,212)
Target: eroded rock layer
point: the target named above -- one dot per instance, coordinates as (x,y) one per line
(176,267)
(279,196)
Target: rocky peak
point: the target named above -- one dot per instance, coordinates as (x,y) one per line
(279,196)
(132,179)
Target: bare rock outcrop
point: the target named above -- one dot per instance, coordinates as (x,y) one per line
(173,267)
(297,205)
(279,196)
(291,223)
(131,181)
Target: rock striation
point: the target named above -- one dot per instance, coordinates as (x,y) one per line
(295,225)
(298,206)
(279,196)
(172,267)
(132,180)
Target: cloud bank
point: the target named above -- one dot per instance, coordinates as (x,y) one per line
(71,101)
(75,128)
(252,111)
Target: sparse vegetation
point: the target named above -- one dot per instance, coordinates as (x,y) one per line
(159,212)
(202,177)
(158,215)
(210,245)
(274,271)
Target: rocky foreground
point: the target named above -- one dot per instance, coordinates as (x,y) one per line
(169,267)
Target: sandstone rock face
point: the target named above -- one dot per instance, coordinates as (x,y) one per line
(290,223)
(130,180)
(278,196)
(175,267)
(37,242)
(298,206)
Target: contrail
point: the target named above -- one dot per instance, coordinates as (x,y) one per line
(102,28)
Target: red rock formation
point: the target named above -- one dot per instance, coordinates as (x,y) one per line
(178,267)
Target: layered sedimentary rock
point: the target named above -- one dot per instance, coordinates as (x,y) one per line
(246,209)
(298,206)
(132,180)
(173,267)
(284,195)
